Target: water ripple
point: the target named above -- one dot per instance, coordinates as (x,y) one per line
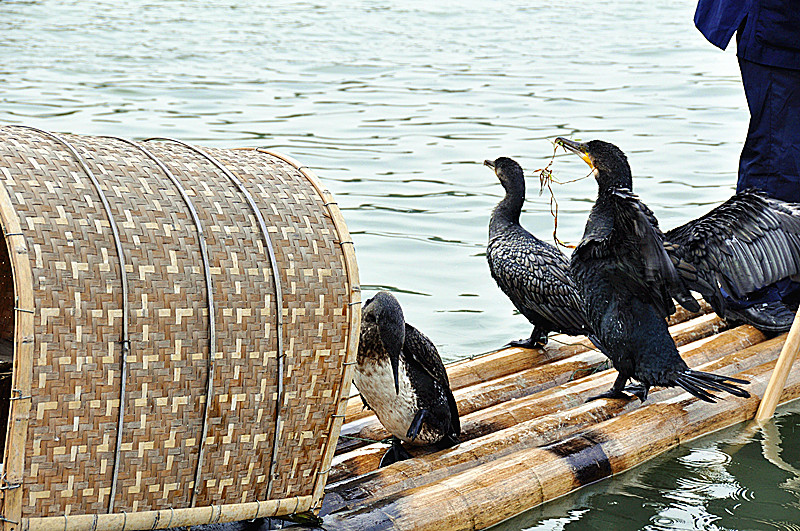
(705,457)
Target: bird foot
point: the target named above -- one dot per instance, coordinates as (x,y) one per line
(611,393)
(537,339)
(638,390)
(394,454)
(530,343)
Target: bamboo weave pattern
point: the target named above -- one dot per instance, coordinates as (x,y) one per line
(72,428)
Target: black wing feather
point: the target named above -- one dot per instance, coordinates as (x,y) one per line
(422,351)
(419,348)
(535,276)
(748,242)
(648,266)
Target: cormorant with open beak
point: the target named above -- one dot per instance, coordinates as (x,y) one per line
(628,279)
(748,242)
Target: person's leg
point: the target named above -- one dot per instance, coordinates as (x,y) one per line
(770,159)
(770,162)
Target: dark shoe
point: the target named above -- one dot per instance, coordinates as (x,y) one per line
(767,316)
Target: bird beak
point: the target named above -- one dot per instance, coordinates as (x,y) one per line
(395,359)
(393,340)
(579,148)
(489,163)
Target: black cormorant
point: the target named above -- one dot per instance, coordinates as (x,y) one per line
(402,379)
(532,273)
(627,280)
(748,242)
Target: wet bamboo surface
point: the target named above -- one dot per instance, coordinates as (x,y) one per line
(565,363)
(529,435)
(505,362)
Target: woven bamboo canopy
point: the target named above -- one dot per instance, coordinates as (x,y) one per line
(528,436)
(182,324)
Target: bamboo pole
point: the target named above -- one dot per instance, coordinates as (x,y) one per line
(729,349)
(776,383)
(170,518)
(537,379)
(494,490)
(552,425)
(528,381)
(508,361)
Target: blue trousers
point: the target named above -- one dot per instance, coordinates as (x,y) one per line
(770,159)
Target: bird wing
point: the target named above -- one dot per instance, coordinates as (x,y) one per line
(638,251)
(746,243)
(420,349)
(535,276)
(658,266)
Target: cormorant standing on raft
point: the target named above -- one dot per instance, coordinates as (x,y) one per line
(627,281)
(402,379)
(748,242)
(532,273)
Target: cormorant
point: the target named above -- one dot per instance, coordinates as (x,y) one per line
(532,273)
(627,280)
(402,379)
(748,242)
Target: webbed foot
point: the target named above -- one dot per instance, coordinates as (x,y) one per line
(615,391)
(638,390)
(394,454)
(611,393)
(537,339)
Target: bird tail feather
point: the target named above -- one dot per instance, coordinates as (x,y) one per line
(700,384)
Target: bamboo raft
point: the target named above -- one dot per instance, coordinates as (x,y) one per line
(528,436)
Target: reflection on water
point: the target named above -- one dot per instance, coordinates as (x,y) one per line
(395,104)
(739,478)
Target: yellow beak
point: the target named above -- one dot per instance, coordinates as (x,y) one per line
(579,148)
